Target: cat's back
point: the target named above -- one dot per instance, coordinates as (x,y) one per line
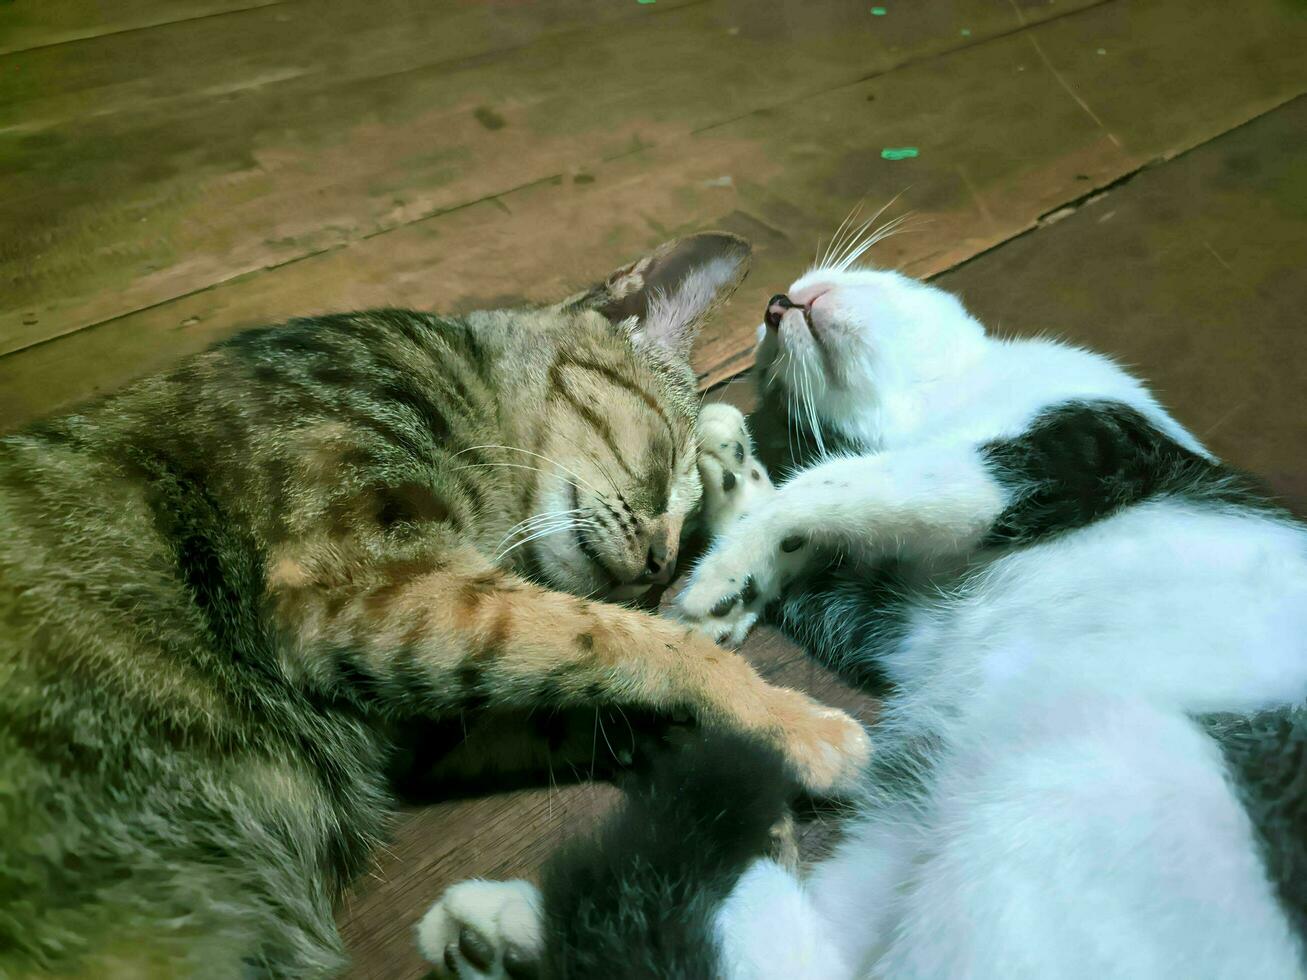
(1014,381)
(142,710)
(135,532)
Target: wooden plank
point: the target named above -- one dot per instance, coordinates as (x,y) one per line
(336,44)
(1192,275)
(1191,272)
(264,137)
(27,24)
(1002,143)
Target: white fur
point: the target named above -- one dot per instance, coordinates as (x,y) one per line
(768,927)
(1074,822)
(504,915)
(915,503)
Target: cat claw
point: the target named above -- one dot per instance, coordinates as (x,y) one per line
(484,930)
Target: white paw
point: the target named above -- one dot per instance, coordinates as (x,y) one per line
(484,929)
(734,482)
(733,584)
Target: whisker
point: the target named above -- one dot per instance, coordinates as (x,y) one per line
(527,452)
(811,401)
(853,240)
(519,466)
(604,732)
(599,463)
(839,232)
(809,404)
(544,533)
(533,521)
(885,231)
(843,262)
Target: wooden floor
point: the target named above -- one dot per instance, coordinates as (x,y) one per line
(1129,174)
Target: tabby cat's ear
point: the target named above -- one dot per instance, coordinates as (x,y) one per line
(664,297)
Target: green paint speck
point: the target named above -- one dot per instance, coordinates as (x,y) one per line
(878,11)
(898,153)
(644,1)
(966,32)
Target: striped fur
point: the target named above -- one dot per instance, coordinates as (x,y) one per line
(226,589)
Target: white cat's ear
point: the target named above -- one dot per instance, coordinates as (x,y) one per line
(664,297)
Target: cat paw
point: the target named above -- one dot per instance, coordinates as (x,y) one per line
(733,584)
(734,482)
(484,930)
(827,748)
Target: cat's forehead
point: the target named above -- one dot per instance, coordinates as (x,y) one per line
(579,348)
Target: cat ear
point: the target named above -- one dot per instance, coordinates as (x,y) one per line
(666,296)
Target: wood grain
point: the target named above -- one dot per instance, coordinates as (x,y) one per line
(28,24)
(275,133)
(1007,146)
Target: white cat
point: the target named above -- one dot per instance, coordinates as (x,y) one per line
(1091,762)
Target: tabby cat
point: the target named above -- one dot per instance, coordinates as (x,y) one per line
(226,589)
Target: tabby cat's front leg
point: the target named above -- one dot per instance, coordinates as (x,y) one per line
(912,503)
(429,636)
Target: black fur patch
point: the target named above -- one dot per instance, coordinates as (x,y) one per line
(1083,461)
(1267,758)
(354,677)
(783,437)
(639,901)
(846,618)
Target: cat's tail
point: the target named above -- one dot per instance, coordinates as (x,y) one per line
(639,899)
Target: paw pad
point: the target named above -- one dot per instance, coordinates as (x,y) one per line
(476,949)
(750,591)
(723,606)
(733,481)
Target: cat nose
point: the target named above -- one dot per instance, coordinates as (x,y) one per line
(660,562)
(776,307)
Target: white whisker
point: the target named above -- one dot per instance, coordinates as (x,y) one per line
(518,466)
(857,243)
(527,452)
(529,523)
(541,533)
(839,233)
(886,230)
(851,241)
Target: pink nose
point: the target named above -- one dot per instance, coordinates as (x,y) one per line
(810,294)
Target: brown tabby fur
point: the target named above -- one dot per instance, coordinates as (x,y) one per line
(223,589)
